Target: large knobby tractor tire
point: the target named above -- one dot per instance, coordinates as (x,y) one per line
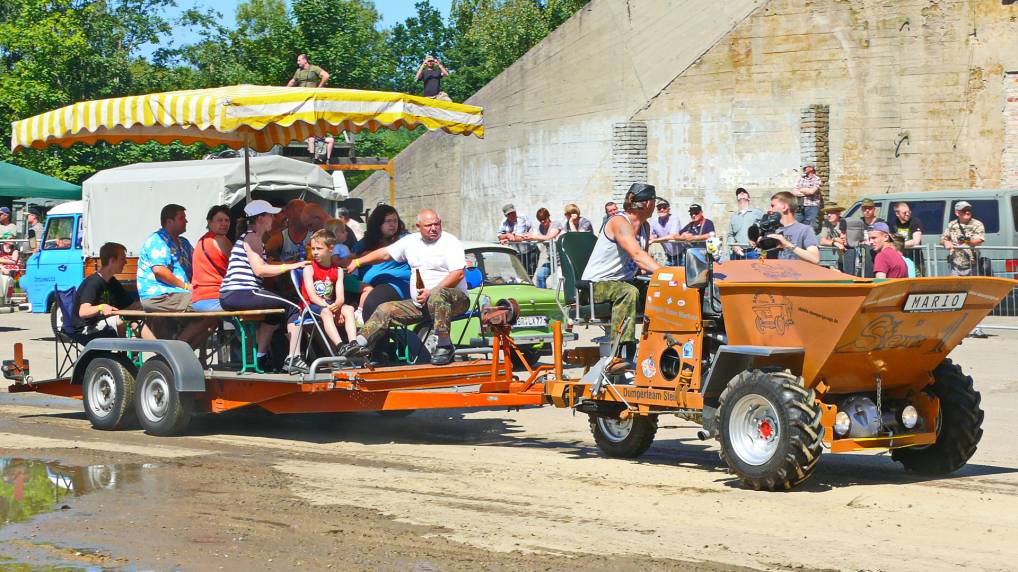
(770,431)
(108,394)
(161,409)
(959,427)
(624,439)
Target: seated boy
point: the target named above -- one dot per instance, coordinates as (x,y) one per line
(323,288)
(95,318)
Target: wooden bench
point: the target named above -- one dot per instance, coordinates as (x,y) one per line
(243,321)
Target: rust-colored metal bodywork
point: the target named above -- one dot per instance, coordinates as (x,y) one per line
(461,384)
(850,332)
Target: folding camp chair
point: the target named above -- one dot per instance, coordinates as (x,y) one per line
(309,314)
(68,344)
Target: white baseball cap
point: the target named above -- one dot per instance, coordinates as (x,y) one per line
(257,207)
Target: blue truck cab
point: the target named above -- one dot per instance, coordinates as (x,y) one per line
(60,260)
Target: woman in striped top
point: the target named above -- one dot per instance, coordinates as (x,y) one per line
(242,286)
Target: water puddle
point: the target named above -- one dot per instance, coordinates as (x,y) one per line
(29,487)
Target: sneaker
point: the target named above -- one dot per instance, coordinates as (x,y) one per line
(358,317)
(295,365)
(442,355)
(353,350)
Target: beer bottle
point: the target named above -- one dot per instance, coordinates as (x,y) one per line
(420,281)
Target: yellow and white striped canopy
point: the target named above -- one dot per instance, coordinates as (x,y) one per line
(242,115)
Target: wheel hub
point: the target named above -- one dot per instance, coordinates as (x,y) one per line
(154,402)
(754,429)
(102,393)
(614,429)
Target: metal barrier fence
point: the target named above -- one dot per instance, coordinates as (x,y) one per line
(540,258)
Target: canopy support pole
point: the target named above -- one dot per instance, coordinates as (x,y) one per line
(247,170)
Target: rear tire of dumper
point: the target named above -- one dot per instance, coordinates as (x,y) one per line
(959,427)
(107,394)
(770,430)
(624,439)
(162,410)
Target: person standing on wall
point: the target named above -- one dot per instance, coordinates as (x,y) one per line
(431,71)
(807,192)
(308,75)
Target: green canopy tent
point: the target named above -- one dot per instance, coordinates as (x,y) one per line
(19,182)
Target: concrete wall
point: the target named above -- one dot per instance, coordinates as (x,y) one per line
(549,117)
(1009,166)
(722,87)
(933,72)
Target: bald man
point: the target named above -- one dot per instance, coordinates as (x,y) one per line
(437,287)
(290,243)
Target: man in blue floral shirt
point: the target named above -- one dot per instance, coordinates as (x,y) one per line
(164,273)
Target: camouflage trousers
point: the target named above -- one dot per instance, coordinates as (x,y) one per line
(623,297)
(441,305)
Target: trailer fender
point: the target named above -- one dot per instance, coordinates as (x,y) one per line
(730,361)
(188,375)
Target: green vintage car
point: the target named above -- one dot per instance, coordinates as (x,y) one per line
(502,275)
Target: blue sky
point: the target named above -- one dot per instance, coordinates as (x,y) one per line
(392,11)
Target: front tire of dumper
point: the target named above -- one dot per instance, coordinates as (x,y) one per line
(162,410)
(959,427)
(770,430)
(624,439)
(108,394)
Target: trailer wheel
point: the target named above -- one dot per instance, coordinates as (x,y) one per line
(162,410)
(959,426)
(108,394)
(624,439)
(770,431)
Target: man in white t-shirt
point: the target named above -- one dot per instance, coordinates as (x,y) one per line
(437,287)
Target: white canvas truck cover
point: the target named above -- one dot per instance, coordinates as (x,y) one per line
(122,204)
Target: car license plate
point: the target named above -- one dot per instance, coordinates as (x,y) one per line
(943,302)
(531,322)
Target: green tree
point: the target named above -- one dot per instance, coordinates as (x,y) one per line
(342,37)
(411,40)
(492,34)
(56,52)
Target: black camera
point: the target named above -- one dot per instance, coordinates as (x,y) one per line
(770,223)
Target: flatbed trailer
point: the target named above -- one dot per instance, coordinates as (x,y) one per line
(171,385)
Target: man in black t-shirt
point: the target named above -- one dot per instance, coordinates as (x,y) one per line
(910,229)
(432,78)
(101,296)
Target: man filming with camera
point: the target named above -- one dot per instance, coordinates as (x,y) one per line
(796,240)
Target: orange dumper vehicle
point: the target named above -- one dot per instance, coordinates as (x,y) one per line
(779,360)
